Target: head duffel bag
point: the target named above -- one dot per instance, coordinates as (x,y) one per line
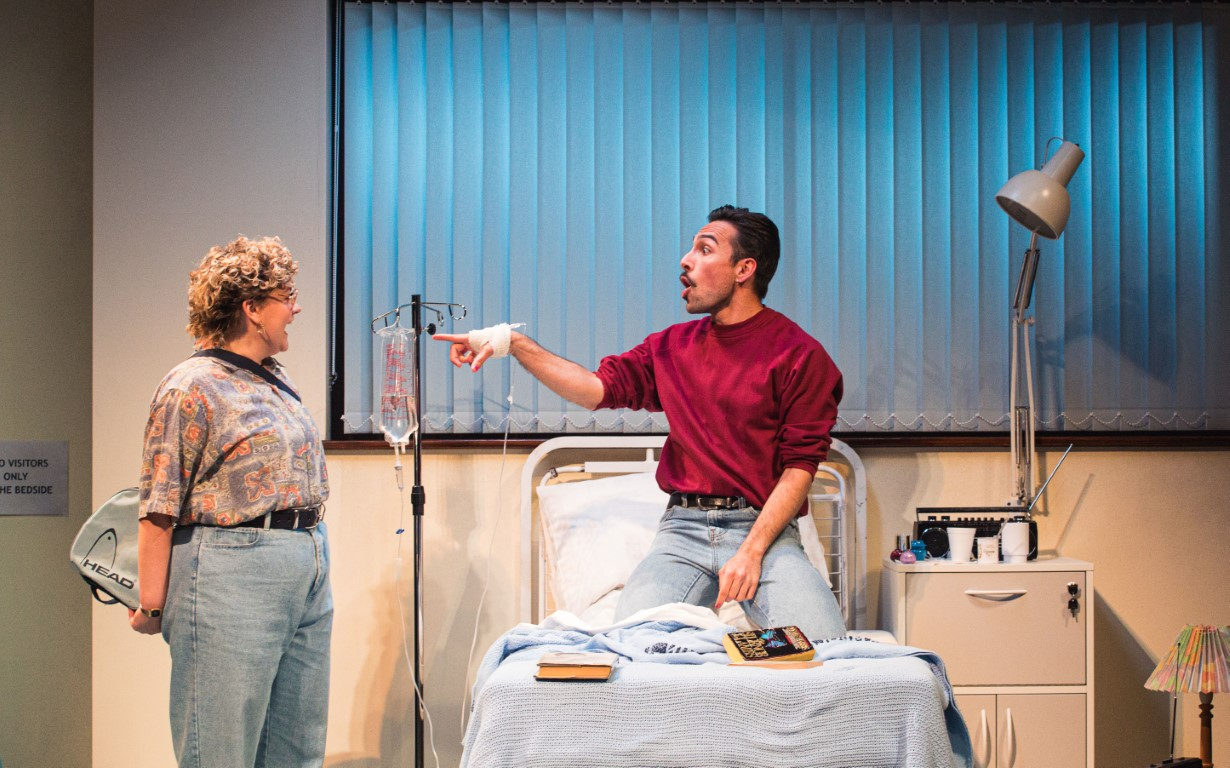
(105,550)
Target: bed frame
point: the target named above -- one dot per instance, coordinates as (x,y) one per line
(838,501)
(867,704)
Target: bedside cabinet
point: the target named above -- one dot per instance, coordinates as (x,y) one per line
(1020,662)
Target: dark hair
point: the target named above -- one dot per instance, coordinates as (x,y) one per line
(757,240)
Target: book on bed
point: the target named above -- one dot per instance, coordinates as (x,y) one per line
(588,666)
(768,645)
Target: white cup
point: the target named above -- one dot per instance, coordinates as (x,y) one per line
(988,549)
(961,544)
(1016,542)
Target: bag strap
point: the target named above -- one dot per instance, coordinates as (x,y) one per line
(239,361)
(96,589)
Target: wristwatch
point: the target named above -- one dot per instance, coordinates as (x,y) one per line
(152,613)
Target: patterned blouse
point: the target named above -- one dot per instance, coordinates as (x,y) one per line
(223,446)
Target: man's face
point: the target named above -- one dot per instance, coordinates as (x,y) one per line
(709,272)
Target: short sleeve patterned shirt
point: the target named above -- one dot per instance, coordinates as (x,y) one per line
(223,446)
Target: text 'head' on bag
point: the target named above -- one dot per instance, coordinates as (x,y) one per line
(105,550)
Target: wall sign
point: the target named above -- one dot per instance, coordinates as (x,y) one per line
(33,478)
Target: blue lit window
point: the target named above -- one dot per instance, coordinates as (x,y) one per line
(549,163)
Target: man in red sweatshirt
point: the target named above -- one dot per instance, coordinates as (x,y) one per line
(751,399)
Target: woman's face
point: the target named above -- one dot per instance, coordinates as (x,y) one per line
(277,311)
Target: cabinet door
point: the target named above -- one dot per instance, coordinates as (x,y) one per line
(1043,730)
(979,714)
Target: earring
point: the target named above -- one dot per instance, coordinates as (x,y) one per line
(260,328)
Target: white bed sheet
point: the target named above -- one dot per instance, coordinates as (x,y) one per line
(850,711)
(602,613)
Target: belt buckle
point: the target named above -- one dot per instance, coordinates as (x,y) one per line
(295,526)
(316,512)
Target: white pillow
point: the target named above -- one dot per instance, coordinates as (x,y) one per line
(597,531)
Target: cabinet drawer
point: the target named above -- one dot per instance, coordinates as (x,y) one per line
(1010,628)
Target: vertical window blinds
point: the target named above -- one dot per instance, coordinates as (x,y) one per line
(549,164)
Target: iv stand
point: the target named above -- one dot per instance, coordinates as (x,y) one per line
(418,497)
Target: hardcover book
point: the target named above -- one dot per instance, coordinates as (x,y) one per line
(579,666)
(773,644)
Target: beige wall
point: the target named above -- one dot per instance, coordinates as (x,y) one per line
(210,120)
(1153,525)
(45,372)
(195,142)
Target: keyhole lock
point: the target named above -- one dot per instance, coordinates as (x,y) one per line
(1074,605)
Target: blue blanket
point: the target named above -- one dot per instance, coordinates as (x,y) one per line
(870,704)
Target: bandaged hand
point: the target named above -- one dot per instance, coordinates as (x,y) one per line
(478,346)
(499,336)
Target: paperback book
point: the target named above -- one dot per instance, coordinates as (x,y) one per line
(584,666)
(768,645)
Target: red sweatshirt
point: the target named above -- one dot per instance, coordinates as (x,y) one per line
(744,401)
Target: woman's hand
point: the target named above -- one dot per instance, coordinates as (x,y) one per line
(144,624)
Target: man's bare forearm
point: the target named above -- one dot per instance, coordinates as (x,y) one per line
(739,578)
(780,508)
(571,381)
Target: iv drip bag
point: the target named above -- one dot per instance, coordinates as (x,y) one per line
(396,417)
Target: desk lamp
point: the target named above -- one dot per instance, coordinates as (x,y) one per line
(1038,201)
(1196,663)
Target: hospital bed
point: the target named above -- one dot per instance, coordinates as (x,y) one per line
(589,509)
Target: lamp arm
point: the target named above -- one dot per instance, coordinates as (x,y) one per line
(1027,465)
(1021,418)
(1024,293)
(1014,376)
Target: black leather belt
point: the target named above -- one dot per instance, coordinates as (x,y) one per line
(294,519)
(699,501)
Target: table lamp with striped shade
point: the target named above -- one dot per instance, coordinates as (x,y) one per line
(1196,663)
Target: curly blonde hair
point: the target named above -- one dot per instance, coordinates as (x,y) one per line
(228,276)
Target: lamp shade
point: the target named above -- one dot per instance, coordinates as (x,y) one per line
(1038,200)
(1196,662)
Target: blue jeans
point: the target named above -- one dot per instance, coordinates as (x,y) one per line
(692,544)
(248,618)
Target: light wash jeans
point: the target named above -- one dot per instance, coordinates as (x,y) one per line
(248,618)
(692,544)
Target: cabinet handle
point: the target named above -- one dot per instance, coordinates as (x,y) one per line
(1010,741)
(997,594)
(986,741)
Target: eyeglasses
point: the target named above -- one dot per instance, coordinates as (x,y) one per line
(290,299)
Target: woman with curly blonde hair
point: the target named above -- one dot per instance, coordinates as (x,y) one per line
(233,553)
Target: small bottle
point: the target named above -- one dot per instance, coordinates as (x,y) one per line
(919,548)
(903,545)
(908,557)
